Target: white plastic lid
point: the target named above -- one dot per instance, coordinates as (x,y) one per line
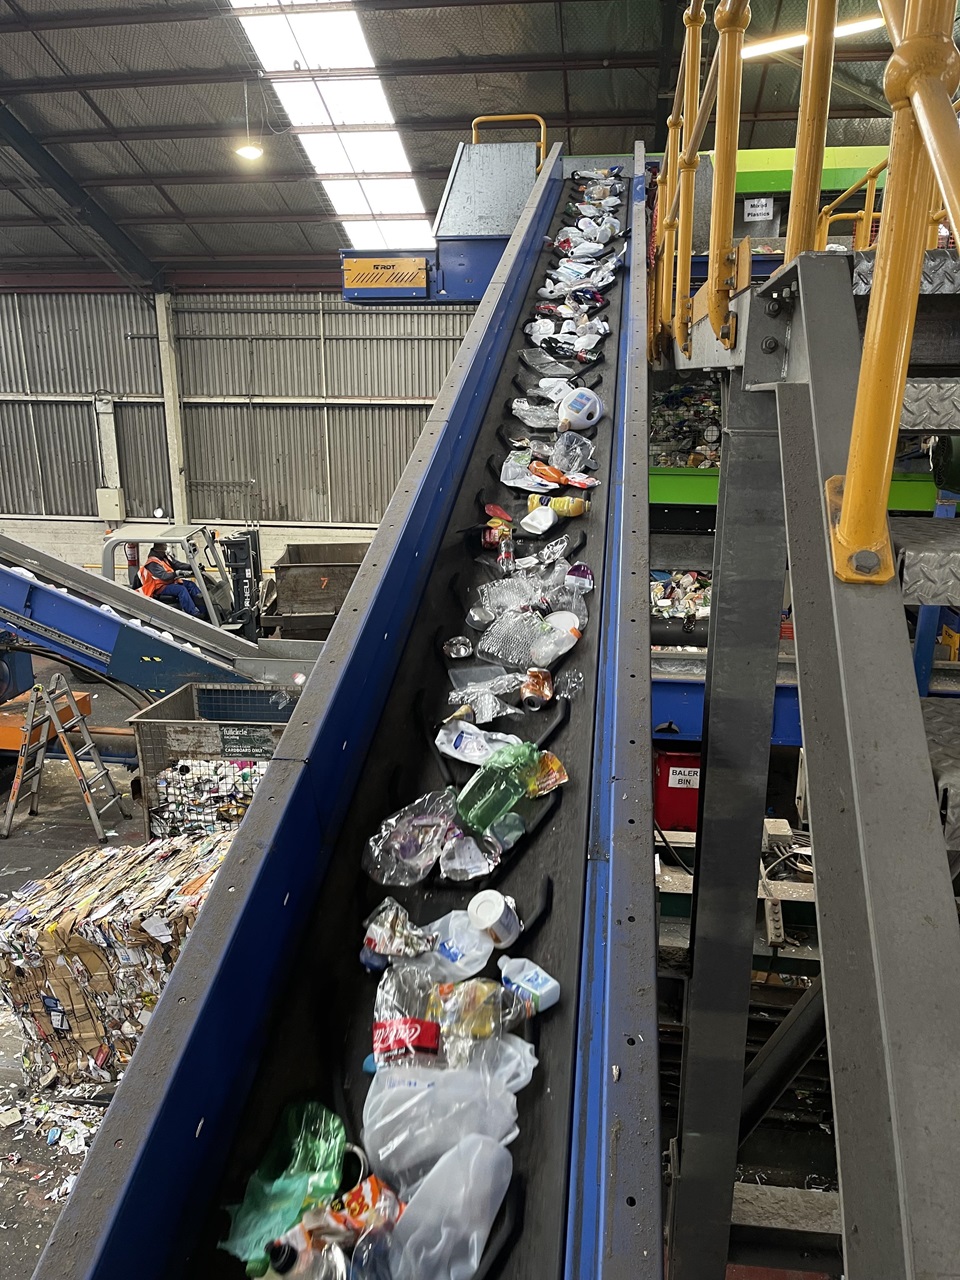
(564,620)
(486,908)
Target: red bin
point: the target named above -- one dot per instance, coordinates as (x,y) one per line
(676,788)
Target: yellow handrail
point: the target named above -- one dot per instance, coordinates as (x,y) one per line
(811,127)
(541,144)
(693,20)
(922,75)
(732,17)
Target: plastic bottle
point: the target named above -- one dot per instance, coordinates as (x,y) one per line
(562,506)
(553,644)
(531,983)
(327,1263)
(497,786)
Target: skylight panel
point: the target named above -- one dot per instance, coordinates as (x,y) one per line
(347,197)
(366,235)
(404,235)
(302,101)
(376,153)
(357,102)
(308,41)
(393,195)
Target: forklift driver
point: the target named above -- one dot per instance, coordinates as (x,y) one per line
(160,578)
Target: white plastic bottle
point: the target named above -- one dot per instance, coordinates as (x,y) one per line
(553,644)
(531,983)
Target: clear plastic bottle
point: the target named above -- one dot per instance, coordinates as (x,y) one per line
(553,644)
(497,786)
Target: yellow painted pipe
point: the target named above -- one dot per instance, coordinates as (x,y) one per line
(689,161)
(732,17)
(811,126)
(861,239)
(824,224)
(670,226)
(707,102)
(858,500)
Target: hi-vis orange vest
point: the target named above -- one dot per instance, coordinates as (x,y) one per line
(149,585)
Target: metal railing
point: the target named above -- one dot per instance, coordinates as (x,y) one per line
(921,79)
(519,119)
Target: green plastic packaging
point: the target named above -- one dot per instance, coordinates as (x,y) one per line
(301,1170)
(497,785)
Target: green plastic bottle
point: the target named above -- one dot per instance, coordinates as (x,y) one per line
(497,786)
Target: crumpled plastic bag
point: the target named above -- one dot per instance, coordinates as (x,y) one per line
(413,1115)
(442,1234)
(410,841)
(301,1169)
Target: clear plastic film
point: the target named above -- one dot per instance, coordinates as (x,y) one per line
(410,841)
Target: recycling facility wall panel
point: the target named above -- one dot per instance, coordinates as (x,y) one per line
(86,342)
(260,462)
(51,459)
(20,490)
(143,456)
(368,447)
(250,344)
(297,408)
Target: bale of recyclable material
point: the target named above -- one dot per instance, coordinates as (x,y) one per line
(85,952)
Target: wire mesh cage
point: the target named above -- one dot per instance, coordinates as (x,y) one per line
(203,750)
(685,424)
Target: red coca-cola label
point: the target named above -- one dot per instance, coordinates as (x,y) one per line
(397,1037)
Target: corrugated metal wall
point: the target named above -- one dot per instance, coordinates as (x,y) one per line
(296,408)
(144,464)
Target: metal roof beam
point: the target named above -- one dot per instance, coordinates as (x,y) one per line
(82,205)
(630,120)
(230,219)
(76,19)
(234,179)
(388,70)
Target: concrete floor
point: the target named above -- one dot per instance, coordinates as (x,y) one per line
(34,848)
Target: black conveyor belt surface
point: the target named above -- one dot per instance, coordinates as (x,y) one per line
(322,1025)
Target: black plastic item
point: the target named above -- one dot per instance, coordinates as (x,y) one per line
(283,1257)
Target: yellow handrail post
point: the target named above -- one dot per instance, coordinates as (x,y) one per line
(862,238)
(693,20)
(811,126)
(924,56)
(731,19)
(669,223)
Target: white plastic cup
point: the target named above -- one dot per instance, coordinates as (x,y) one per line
(496,916)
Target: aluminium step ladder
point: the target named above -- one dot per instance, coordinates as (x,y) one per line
(33,752)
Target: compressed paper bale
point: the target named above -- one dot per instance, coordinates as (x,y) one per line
(85,953)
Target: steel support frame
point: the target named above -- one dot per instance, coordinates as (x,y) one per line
(887,918)
(749,568)
(782,1058)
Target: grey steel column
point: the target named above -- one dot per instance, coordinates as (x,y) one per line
(889,938)
(749,567)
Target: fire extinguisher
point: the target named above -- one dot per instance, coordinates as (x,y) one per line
(133,563)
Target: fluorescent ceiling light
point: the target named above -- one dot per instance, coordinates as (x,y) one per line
(779,44)
(392,195)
